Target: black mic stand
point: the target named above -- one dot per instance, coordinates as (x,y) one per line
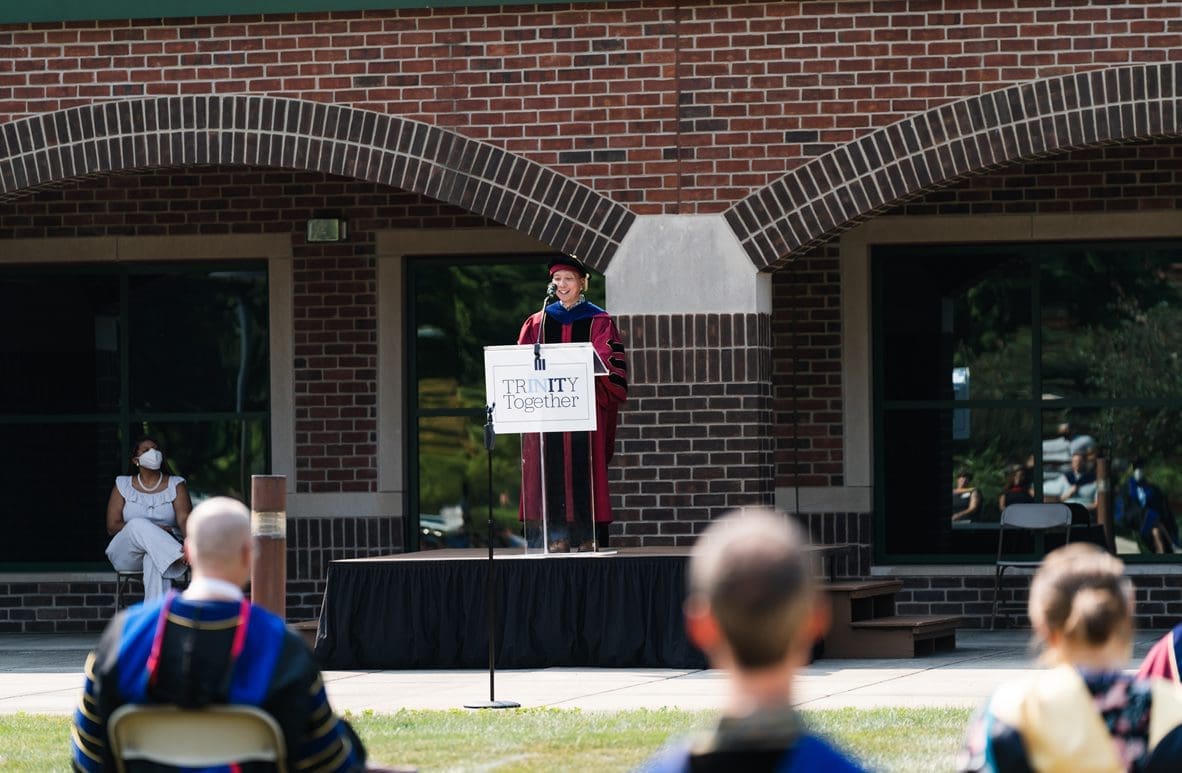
(492,703)
(540,364)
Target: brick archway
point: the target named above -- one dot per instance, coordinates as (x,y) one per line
(297,134)
(852,183)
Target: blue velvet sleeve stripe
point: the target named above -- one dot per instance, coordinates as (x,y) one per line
(326,745)
(89,733)
(136,646)
(256,664)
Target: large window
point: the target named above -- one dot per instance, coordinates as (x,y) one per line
(1023,373)
(94,357)
(457,306)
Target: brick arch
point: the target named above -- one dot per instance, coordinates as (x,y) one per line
(933,149)
(49,148)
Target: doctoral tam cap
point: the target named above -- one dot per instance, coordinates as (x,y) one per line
(570,263)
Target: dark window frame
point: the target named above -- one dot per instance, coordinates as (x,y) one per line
(125,417)
(1039,254)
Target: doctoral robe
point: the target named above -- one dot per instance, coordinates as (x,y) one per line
(576,487)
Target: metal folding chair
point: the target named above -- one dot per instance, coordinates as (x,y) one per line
(1037,520)
(195,738)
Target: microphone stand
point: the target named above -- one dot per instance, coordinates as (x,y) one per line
(492,703)
(540,364)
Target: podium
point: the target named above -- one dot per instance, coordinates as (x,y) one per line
(544,392)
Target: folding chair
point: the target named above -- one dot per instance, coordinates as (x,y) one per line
(1038,520)
(124,578)
(123,581)
(194,738)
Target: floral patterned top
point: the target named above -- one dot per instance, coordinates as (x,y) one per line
(1055,719)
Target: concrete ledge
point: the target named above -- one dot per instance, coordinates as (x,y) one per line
(986,570)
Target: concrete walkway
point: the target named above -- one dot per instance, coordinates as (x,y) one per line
(42,674)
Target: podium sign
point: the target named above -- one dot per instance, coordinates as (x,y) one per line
(550,391)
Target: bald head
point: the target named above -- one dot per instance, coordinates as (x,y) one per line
(218,540)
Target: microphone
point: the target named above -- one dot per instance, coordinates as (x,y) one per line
(539,363)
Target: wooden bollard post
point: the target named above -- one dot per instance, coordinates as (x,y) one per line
(268,526)
(1104,502)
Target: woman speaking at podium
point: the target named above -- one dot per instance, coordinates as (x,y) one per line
(574,464)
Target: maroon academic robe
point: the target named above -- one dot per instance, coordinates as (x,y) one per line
(576,462)
(1162,659)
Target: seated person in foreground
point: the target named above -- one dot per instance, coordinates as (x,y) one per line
(210,646)
(1084,713)
(753,608)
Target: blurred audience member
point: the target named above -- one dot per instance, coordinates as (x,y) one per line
(753,608)
(1084,713)
(211,646)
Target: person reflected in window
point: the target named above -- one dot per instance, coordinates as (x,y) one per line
(146,516)
(1057,451)
(1076,486)
(1143,507)
(1018,489)
(966,499)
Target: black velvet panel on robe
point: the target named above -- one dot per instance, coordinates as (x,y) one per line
(621,611)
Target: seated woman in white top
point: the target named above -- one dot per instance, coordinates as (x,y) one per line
(146,517)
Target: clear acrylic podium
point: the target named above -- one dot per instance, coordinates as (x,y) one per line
(556,495)
(546,394)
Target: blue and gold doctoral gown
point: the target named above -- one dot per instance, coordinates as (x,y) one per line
(197,653)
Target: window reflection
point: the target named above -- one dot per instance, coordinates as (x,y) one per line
(453,484)
(59,345)
(980,408)
(198,341)
(1111,323)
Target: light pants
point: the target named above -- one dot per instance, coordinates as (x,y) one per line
(141,545)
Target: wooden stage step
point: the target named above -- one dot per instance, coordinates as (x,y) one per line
(908,636)
(858,589)
(865,624)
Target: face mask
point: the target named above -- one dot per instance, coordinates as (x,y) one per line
(1138,475)
(151,459)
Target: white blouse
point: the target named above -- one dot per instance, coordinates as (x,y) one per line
(156,506)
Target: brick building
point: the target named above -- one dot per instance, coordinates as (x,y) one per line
(811,218)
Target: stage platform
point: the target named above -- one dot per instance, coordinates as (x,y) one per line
(428,610)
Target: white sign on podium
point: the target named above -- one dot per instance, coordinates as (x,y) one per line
(536,391)
(552,391)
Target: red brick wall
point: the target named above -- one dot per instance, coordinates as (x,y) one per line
(694,438)
(666,107)
(806,371)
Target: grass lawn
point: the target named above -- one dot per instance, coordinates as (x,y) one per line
(555,739)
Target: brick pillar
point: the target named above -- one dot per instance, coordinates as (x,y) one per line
(695,438)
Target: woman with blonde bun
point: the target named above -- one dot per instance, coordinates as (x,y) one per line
(1085,712)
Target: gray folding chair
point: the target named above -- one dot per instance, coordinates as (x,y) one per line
(123,580)
(194,738)
(1038,520)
